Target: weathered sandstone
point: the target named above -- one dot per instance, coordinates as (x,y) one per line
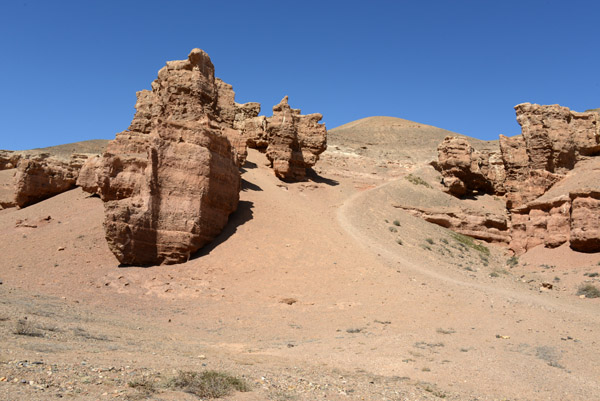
(40,176)
(292,141)
(466,170)
(170,182)
(9,159)
(487,227)
(554,141)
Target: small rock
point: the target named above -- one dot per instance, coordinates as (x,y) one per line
(62,248)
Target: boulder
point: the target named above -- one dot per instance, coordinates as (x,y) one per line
(40,176)
(465,170)
(170,182)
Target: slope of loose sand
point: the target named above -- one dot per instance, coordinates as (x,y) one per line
(316,290)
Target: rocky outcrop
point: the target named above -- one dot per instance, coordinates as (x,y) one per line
(170,182)
(554,141)
(572,218)
(465,170)
(234,115)
(556,138)
(292,141)
(585,221)
(40,176)
(487,227)
(9,159)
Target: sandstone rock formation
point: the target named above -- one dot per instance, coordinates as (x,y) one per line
(9,159)
(554,141)
(292,141)
(487,227)
(466,170)
(170,182)
(40,176)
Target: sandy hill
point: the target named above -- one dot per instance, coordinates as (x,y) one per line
(94,146)
(401,136)
(317,290)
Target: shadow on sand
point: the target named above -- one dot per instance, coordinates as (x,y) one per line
(248,186)
(242,215)
(315,177)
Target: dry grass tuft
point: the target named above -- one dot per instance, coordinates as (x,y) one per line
(208,384)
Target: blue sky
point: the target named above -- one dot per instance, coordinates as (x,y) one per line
(70,69)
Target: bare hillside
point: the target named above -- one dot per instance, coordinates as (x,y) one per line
(316,290)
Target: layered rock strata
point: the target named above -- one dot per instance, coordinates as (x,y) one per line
(9,159)
(292,141)
(554,141)
(170,182)
(486,227)
(467,171)
(41,176)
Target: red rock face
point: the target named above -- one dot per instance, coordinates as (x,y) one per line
(465,170)
(553,141)
(556,138)
(292,141)
(171,181)
(585,221)
(41,176)
(9,159)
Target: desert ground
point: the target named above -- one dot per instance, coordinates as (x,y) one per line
(316,290)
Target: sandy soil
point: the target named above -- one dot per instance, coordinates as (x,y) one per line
(316,290)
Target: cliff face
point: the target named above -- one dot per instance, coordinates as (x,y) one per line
(553,144)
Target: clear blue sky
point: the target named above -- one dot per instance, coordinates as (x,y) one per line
(70,69)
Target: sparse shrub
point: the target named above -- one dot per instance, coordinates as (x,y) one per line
(512,261)
(444,241)
(353,330)
(397,223)
(144,384)
(208,384)
(426,247)
(589,290)
(429,241)
(417,181)
(591,274)
(470,243)
(445,331)
(399,241)
(26,328)
(393,229)
(498,272)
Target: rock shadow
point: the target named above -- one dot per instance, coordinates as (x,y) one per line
(312,175)
(248,186)
(242,215)
(248,165)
